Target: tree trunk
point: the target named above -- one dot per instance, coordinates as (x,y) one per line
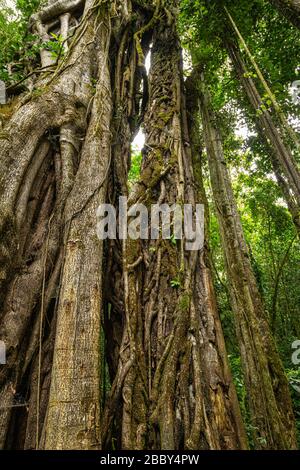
(290,9)
(55,162)
(284,165)
(172,387)
(267,386)
(49,203)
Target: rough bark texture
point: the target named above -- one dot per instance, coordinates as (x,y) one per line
(267,386)
(55,160)
(172,388)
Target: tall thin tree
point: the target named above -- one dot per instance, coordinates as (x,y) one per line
(267,386)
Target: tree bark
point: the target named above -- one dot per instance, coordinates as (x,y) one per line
(267,386)
(172,379)
(51,259)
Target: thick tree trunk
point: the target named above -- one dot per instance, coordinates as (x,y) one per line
(267,386)
(172,388)
(283,162)
(290,9)
(73,418)
(51,259)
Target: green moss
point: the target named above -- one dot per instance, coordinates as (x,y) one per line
(6,111)
(185,302)
(166,117)
(151,175)
(37,92)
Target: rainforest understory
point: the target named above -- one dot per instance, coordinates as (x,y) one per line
(140,344)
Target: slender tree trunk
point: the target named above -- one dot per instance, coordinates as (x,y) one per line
(267,386)
(172,379)
(290,9)
(284,165)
